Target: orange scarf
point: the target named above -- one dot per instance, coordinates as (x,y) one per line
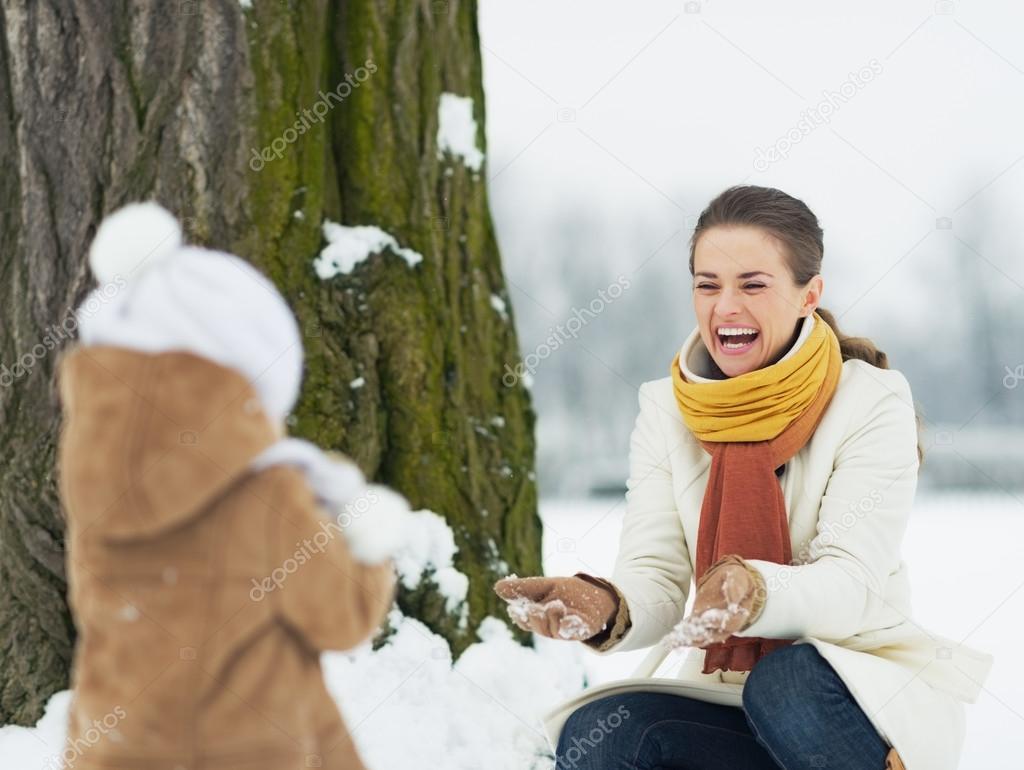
(750,425)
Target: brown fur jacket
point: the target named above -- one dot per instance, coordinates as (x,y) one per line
(168,532)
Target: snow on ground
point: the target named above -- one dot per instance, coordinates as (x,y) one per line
(39,747)
(407,706)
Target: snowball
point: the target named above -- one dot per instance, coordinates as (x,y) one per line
(376,524)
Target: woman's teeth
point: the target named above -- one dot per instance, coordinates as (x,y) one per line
(737,338)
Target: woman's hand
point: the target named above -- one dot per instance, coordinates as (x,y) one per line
(558,607)
(729,598)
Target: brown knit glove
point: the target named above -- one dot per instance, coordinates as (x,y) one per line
(558,607)
(730,597)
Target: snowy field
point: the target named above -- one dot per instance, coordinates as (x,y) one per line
(408,707)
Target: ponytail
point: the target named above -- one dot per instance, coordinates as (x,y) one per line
(864,349)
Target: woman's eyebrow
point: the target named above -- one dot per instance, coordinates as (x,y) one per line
(751,274)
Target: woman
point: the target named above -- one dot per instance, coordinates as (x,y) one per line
(775,467)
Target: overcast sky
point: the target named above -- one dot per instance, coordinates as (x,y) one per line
(654,107)
(611,125)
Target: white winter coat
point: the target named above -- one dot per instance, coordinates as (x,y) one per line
(848,495)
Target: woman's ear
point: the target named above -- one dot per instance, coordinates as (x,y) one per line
(812,295)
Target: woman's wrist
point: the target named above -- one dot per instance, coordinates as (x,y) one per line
(760,596)
(618,621)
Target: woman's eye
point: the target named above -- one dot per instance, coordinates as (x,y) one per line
(747,286)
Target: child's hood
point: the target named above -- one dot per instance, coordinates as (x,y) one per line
(150,439)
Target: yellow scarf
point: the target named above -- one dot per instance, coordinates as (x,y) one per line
(751,424)
(759,405)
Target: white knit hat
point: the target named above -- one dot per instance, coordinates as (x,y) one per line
(157,295)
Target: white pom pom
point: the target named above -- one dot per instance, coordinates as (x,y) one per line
(132,238)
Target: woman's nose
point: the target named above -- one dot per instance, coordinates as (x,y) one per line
(728,304)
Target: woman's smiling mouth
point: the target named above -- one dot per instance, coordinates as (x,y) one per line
(736,340)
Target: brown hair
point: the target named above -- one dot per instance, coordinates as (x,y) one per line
(796,228)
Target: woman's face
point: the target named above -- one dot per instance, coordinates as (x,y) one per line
(741,281)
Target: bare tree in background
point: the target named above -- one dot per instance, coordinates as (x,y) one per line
(105,103)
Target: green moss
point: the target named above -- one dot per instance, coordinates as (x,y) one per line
(421,421)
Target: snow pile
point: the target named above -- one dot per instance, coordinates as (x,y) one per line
(430,546)
(408,707)
(456,130)
(348,246)
(39,747)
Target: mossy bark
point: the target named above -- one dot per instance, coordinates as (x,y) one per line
(134,103)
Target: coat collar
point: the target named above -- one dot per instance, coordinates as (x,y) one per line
(149,438)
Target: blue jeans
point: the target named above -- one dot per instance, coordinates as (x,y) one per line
(797,713)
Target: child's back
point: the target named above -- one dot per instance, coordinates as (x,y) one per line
(203,590)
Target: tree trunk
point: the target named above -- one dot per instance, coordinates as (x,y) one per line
(100,106)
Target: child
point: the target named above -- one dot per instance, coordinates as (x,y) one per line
(204,573)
